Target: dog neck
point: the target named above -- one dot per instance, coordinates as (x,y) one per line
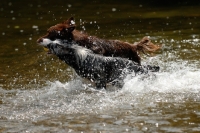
(71,53)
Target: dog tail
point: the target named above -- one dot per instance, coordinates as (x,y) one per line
(146,45)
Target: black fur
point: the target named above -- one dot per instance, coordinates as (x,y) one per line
(97,68)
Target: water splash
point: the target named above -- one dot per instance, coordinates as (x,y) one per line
(73,97)
(177,82)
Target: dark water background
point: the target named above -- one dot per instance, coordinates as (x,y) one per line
(39,93)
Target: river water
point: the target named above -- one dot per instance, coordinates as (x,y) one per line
(40,93)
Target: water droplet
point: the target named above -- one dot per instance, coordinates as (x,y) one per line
(16,26)
(144,129)
(114,9)
(35,27)
(72,22)
(156,124)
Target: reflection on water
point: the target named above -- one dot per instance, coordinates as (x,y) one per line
(39,93)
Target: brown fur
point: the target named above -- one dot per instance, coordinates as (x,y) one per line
(116,48)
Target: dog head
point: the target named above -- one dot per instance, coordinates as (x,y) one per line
(62,31)
(49,44)
(71,53)
(56,46)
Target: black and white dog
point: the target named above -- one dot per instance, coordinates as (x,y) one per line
(97,68)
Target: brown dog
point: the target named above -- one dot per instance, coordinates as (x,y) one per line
(66,31)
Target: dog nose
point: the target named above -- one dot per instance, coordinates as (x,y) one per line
(39,40)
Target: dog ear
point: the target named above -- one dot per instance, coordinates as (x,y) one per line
(70,22)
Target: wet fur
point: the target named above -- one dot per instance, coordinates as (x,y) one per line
(116,48)
(97,68)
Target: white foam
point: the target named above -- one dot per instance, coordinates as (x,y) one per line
(179,81)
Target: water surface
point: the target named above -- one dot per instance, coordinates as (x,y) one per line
(39,93)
